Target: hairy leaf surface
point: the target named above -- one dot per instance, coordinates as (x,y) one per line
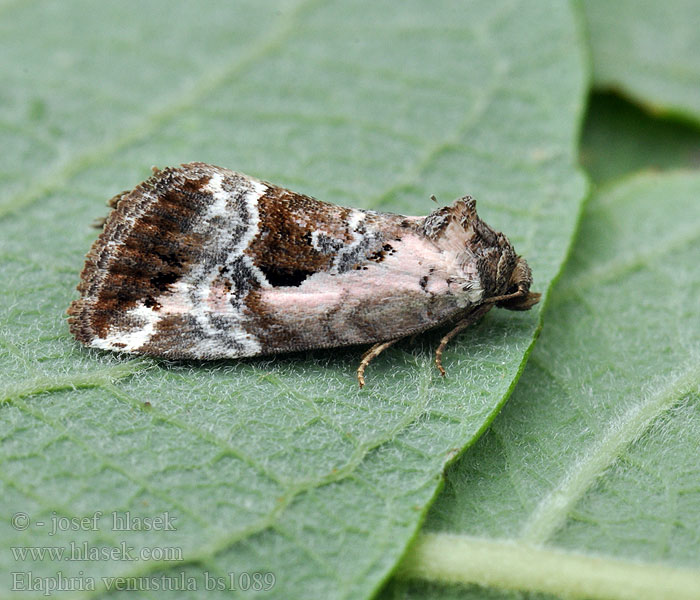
(278,464)
(587,483)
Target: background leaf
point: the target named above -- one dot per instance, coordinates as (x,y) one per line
(572,493)
(274,464)
(586,484)
(649,51)
(619,138)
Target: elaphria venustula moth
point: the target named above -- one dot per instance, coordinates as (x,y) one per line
(199,262)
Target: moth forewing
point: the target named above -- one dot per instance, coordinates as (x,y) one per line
(199,262)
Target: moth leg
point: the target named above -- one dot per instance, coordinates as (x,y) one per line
(369,356)
(461,326)
(446,340)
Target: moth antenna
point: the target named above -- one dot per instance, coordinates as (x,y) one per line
(369,356)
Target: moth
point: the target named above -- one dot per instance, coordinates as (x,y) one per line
(200,262)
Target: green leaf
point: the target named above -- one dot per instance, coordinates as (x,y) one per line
(649,51)
(618,139)
(275,464)
(586,485)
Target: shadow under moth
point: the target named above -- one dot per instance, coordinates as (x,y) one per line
(199,262)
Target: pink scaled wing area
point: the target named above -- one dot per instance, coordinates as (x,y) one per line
(408,291)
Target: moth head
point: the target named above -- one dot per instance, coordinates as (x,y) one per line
(486,258)
(518,295)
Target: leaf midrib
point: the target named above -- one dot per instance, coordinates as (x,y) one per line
(515,565)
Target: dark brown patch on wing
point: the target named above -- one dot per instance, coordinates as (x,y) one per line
(284,249)
(381,254)
(299,236)
(147,244)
